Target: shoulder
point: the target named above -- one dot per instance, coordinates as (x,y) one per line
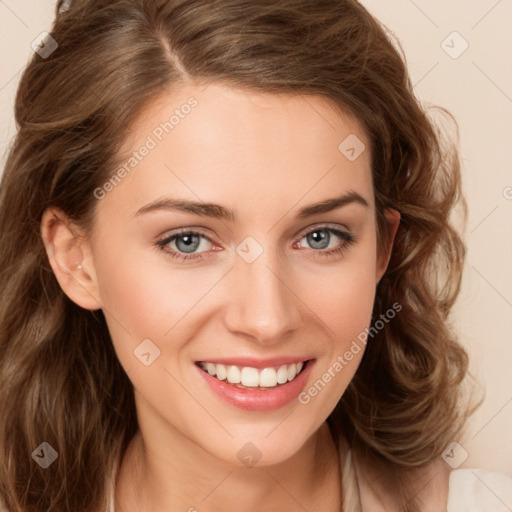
(479,490)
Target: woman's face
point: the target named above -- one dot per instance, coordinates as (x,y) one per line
(270,200)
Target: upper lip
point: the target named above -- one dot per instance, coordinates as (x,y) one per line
(256,363)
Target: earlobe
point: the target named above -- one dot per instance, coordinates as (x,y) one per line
(393,220)
(70,258)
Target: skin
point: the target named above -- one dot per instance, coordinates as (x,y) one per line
(264,156)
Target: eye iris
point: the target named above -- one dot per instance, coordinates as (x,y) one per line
(319,237)
(191,243)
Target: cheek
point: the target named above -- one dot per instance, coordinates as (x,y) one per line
(345,308)
(148,297)
(145,295)
(141,286)
(142,298)
(343,300)
(342,294)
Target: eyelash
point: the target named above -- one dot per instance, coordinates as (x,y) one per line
(347,239)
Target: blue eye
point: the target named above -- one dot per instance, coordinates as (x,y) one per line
(190,242)
(187,243)
(320,239)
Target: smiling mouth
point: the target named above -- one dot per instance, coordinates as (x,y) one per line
(247,377)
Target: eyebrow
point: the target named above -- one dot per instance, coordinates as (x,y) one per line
(221,212)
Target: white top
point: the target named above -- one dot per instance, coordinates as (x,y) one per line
(474,490)
(479,490)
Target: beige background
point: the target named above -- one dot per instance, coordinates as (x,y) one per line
(477,88)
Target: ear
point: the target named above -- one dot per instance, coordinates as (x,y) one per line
(393,219)
(70,258)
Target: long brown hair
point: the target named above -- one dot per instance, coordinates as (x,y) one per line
(60,380)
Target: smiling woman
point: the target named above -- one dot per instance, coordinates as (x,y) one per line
(252,316)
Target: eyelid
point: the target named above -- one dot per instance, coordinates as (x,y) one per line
(324,225)
(185,231)
(337,229)
(168,237)
(299,235)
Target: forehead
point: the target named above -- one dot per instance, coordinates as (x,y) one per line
(240,148)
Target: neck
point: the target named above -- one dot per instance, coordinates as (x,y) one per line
(185,477)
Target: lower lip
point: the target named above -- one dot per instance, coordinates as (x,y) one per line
(256,399)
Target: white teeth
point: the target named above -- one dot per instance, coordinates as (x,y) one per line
(234,376)
(282,374)
(268,378)
(221,371)
(252,377)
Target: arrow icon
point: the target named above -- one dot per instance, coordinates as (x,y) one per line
(44,45)
(454,45)
(249,253)
(454,455)
(351,147)
(249,455)
(44,455)
(147,352)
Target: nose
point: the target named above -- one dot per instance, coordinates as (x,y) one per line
(262,303)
